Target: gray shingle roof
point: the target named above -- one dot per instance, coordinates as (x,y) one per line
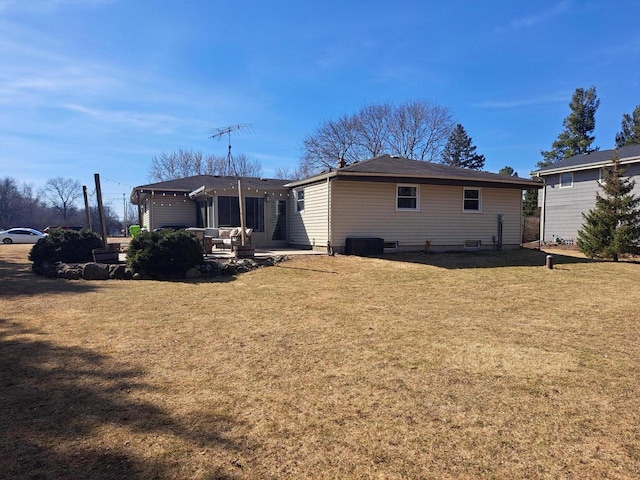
(395,168)
(189,184)
(600,156)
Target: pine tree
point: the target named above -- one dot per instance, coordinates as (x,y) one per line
(630,134)
(530,202)
(576,137)
(460,152)
(509,171)
(612,228)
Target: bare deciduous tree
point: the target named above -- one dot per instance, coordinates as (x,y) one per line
(374,122)
(61,193)
(417,129)
(187,163)
(332,140)
(10,199)
(284,173)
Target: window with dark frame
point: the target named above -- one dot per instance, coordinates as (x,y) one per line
(229,212)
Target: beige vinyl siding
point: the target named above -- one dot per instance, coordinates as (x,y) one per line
(146,219)
(309,228)
(170,210)
(368,209)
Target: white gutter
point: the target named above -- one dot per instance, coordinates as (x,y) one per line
(586,166)
(524,183)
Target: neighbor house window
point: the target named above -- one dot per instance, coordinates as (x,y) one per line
(299,200)
(566,180)
(472,200)
(407,197)
(602,177)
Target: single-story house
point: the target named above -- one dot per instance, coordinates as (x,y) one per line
(570,187)
(410,204)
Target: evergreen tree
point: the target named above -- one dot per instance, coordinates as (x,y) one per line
(612,228)
(530,202)
(576,137)
(630,134)
(509,171)
(460,152)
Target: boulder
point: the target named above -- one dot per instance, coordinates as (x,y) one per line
(95,271)
(70,272)
(118,271)
(192,273)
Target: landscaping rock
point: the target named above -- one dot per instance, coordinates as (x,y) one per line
(70,272)
(192,273)
(95,271)
(45,269)
(118,272)
(99,271)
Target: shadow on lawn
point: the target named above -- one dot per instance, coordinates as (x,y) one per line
(485,259)
(18,279)
(54,399)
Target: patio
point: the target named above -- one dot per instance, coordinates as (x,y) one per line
(264,252)
(220,253)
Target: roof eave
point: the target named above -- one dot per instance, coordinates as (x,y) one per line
(584,166)
(314,179)
(515,183)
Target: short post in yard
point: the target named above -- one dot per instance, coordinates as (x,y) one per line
(550,262)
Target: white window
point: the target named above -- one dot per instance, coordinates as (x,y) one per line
(299,200)
(566,180)
(407,197)
(602,177)
(472,200)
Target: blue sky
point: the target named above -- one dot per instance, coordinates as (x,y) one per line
(102,86)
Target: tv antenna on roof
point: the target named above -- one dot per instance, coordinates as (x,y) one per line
(222,131)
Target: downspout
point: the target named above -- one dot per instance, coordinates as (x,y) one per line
(329,239)
(139,205)
(151,214)
(543,210)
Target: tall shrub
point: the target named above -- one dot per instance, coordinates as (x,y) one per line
(69,246)
(164,254)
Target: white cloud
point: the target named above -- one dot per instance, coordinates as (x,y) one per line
(537,18)
(46,6)
(522,102)
(123,120)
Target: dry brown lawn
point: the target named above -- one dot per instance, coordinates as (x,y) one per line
(416,366)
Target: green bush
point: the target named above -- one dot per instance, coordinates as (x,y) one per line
(164,254)
(69,246)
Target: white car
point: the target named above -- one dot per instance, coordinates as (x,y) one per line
(20,235)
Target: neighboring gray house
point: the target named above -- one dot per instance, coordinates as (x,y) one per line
(410,204)
(570,188)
